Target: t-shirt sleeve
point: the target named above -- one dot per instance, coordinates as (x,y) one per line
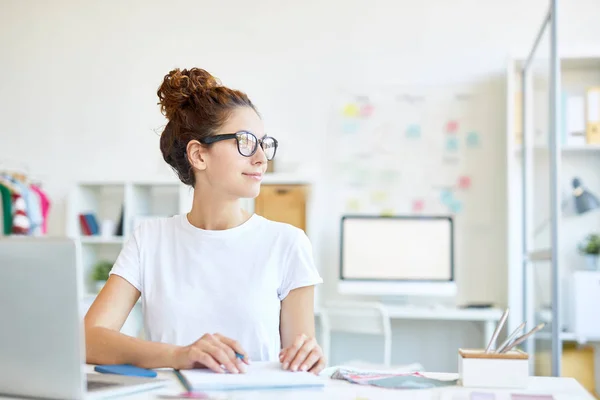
(127,265)
(299,268)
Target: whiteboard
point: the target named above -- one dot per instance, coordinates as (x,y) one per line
(412,150)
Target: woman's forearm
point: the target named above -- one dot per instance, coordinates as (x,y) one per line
(107,346)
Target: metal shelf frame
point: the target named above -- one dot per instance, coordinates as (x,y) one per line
(549,25)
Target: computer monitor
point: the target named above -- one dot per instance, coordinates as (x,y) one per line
(397,256)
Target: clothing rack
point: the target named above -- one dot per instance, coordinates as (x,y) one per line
(24,204)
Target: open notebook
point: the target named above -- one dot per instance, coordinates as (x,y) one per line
(258,376)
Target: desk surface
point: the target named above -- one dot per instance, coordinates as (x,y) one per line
(439,313)
(560,388)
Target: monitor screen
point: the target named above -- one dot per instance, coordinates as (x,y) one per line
(400,248)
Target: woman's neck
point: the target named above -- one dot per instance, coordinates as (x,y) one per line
(216,214)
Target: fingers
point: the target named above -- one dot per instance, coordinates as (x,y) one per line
(318,367)
(313,358)
(291,351)
(220,352)
(302,354)
(235,345)
(207,360)
(221,356)
(216,341)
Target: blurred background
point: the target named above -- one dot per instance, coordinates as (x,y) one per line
(386,109)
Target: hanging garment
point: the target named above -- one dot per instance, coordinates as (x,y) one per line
(6,209)
(45,207)
(20,220)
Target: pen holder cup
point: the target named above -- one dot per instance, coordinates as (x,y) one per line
(488,370)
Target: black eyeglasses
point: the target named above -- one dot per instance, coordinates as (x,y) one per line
(247,143)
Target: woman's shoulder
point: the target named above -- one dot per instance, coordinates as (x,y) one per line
(150,226)
(283,231)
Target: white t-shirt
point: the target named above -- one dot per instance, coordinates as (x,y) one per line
(194,281)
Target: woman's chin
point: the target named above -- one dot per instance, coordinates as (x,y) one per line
(250,192)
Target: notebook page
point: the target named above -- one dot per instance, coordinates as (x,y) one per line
(259,375)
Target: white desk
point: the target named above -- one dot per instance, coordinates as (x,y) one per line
(560,388)
(487,317)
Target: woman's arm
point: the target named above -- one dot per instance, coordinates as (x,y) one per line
(106,345)
(105,318)
(297,328)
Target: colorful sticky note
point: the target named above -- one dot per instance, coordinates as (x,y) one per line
(456,206)
(379,196)
(353,205)
(446,196)
(349,127)
(451,143)
(451,127)
(387,212)
(366,110)
(350,110)
(418,205)
(464,182)
(413,131)
(472,139)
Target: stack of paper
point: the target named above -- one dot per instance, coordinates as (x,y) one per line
(258,376)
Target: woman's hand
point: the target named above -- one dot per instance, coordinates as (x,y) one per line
(213,352)
(303,355)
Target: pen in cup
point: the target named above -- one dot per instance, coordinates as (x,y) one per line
(522,338)
(497,331)
(510,338)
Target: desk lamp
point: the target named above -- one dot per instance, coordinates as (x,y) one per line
(584,200)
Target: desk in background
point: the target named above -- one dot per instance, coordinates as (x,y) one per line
(376,318)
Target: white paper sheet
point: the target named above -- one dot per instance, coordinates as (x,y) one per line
(259,375)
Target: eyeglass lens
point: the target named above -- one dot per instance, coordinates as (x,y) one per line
(247,144)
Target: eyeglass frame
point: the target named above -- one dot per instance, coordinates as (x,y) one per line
(226,136)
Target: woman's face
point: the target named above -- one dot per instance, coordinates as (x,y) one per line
(226,170)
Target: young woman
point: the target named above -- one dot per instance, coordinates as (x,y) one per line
(216,281)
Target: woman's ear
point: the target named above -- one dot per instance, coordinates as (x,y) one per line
(196,155)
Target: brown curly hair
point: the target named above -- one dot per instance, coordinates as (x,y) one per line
(196,105)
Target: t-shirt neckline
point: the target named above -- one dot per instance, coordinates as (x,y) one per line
(244,226)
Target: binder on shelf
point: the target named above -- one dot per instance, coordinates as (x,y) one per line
(593,115)
(89,224)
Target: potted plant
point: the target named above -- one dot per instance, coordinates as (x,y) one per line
(100,273)
(590,248)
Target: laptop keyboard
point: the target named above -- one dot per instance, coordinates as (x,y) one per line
(95,385)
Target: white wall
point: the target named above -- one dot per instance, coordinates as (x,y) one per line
(79,79)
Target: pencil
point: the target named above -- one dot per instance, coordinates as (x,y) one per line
(183,381)
(497,331)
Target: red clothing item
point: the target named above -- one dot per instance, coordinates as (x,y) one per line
(20,219)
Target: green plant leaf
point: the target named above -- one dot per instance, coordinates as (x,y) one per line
(101,270)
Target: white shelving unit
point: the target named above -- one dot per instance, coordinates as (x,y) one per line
(578,72)
(138,200)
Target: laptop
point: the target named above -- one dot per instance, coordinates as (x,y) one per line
(42,348)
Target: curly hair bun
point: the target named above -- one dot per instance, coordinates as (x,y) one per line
(179,86)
